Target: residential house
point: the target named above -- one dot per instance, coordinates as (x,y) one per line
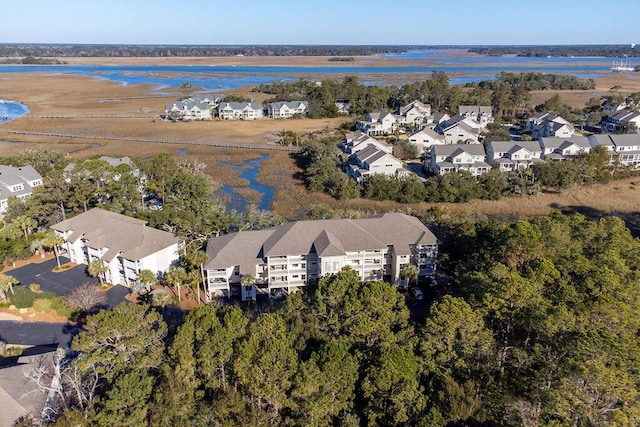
(286,110)
(625,148)
(547,124)
(125,244)
(240,111)
(480,114)
(438,118)
(416,114)
(459,129)
(426,138)
(556,148)
(619,119)
(457,157)
(291,255)
(190,109)
(513,155)
(343,106)
(17,182)
(371,160)
(356,141)
(378,122)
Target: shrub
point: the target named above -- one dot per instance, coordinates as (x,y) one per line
(21,297)
(42,305)
(34,287)
(62,308)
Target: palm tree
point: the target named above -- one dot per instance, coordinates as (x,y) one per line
(148,279)
(37,245)
(176,276)
(97,268)
(6,283)
(26,224)
(199,259)
(409,272)
(53,240)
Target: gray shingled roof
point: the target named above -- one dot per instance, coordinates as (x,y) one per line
(324,237)
(120,233)
(450,149)
(478,109)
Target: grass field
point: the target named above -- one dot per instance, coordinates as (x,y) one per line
(88,107)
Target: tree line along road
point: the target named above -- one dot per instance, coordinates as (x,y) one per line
(157,141)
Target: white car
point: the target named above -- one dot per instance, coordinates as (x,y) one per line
(417,293)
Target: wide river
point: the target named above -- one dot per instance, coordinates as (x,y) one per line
(461,67)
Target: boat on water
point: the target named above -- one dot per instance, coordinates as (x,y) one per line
(621,66)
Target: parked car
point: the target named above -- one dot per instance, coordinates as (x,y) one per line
(402,284)
(278,293)
(417,293)
(432,281)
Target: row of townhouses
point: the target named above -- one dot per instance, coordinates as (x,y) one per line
(464,126)
(17,182)
(513,155)
(206,108)
(285,257)
(623,117)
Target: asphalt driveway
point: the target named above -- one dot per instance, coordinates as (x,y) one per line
(61,283)
(38,333)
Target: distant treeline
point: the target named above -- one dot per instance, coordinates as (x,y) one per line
(537,81)
(80,50)
(30,60)
(614,51)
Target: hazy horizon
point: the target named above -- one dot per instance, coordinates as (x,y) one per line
(357,22)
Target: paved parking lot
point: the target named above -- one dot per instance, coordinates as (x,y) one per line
(63,282)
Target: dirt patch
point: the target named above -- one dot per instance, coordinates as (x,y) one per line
(30,315)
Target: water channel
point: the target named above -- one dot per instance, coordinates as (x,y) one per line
(235,200)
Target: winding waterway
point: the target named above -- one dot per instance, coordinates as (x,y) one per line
(235,200)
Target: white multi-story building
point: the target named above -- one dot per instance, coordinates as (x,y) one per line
(240,111)
(457,157)
(287,110)
(125,244)
(291,255)
(624,148)
(17,182)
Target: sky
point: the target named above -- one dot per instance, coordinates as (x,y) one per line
(326,22)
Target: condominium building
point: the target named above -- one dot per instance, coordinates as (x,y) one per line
(289,256)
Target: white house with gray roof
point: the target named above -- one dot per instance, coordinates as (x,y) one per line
(556,148)
(621,118)
(625,148)
(548,124)
(512,155)
(240,111)
(356,141)
(480,114)
(378,122)
(195,108)
(125,244)
(291,255)
(459,129)
(426,138)
(371,160)
(457,157)
(17,182)
(415,113)
(287,110)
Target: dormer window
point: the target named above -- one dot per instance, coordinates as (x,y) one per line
(16,188)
